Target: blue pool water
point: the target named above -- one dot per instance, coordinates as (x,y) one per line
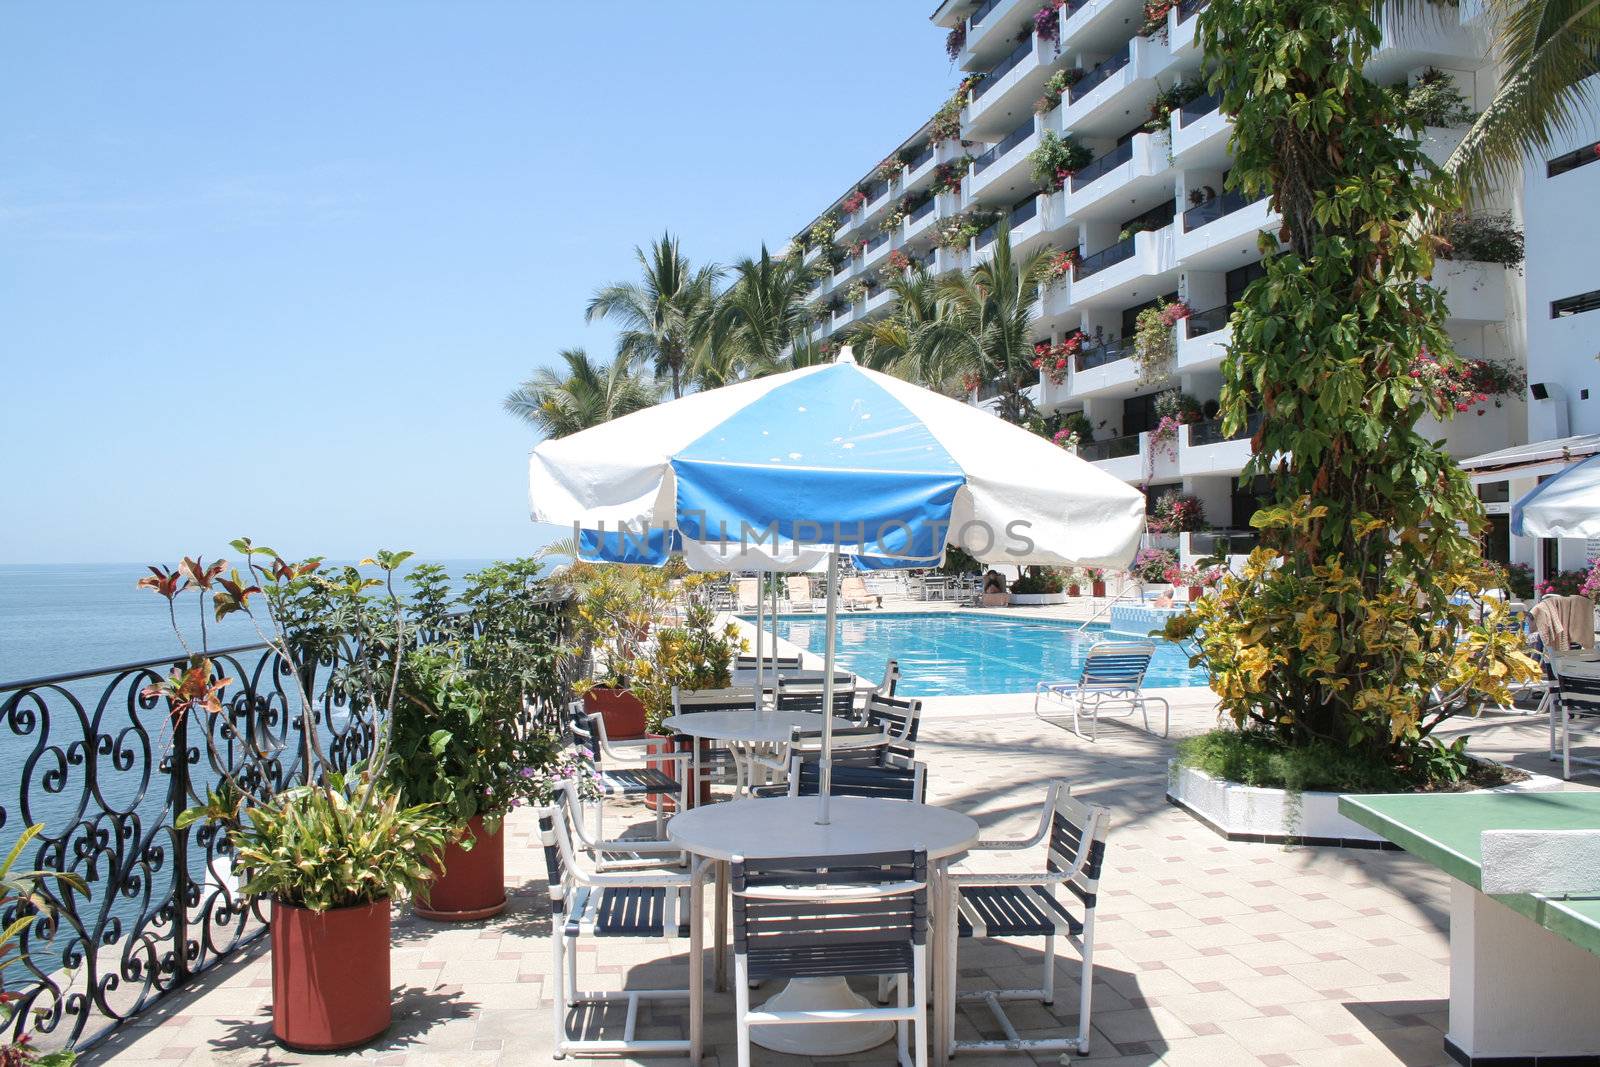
(950,654)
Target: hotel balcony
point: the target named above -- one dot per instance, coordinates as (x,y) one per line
(1183,36)
(1007,95)
(1205,448)
(877,301)
(1027,232)
(812,254)
(1107,369)
(920,220)
(1200,135)
(1474,292)
(1223,232)
(919,168)
(1132,269)
(1121,457)
(1409,44)
(951,259)
(1472,434)
(1121,86)
(848,315)
(991,28)
(1002,171)
(1134,173)
(1203,339)
(1097,26)
(877,251)
(1055,304)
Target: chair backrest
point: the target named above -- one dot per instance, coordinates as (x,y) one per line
(848,779)
(808,742)
(1117,664)
(899,718)
(812,916)
(806,695)
(555,834)
(799,587)
(689,701)
(771,662)
(749,591)
(583,730)
(1074,827)
(1578,693)
(891,678)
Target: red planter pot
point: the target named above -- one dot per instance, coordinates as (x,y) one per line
(622,712)
(1194,592)
(472,884)
(697,796)
(1072,590)
(1099,588)
(330,975)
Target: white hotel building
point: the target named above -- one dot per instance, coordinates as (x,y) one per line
(1545,317)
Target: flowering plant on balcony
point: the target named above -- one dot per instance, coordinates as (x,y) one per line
(1570,583)
(1483,239)
(858,247)
(857,292)
(1151,564)
(1519,580)
(889,169)
(1067,439)
(970,382)
(946,122)
(1056,88)
(821,232)
(854,202)
(898,264)
(956,40)
(1169,100)
(1175,512)
(1473,383)
(1591,583)
(1155,17)
(1060,263)
(1053,359)
(956,233)
(1047,22)
(1058,158)
(947,176)
(1154,339)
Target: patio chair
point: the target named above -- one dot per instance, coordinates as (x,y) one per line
(771,662)
(800,598)
(897,780)
(834,917)
(806,695)
(900,719)
(853,595)
(1574,695)
(1030,905)
(721,766)
(588,735)
(587,903)
(862,745)
(748,594)
(1113,674)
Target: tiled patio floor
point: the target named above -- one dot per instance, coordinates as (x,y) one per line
(1209,952)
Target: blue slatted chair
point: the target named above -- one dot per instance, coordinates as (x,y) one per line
(834,917)
(588,736)
(1575,694)
(907,781)
(1113,674)
(719,763)
(898,717)
(861,745)
(587,903)
(1032,905)
(806,695)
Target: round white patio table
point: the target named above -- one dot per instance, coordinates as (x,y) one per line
(781,827)
(745,729)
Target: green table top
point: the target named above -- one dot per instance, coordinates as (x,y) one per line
(1445,829)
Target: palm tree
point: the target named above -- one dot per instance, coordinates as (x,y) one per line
(1546,50)
(892,344)
(662,314)
(765,308)
(588,395)
(985,328)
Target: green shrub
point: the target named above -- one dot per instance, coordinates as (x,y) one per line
(1253,757)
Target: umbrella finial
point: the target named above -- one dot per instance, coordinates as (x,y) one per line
(845,355)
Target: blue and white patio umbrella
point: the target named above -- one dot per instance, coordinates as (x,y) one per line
(1567,505)
(833,459)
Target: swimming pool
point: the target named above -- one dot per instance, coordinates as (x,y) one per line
(962,654)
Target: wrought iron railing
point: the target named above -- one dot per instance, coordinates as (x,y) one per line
(1199,108)
(1209,321)
(1111,448)
(1216,208)
(1098,168)
(1004,67)
(1210,432)
(1104,258)
(1086,84)
(107,771)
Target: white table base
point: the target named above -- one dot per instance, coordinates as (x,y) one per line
(1516,989)
(819,1039)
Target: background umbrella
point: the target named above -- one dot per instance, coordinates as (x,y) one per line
(1567,505)
(840,459)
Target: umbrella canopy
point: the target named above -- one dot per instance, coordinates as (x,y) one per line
(1567,505)
(762,474)
(838,456)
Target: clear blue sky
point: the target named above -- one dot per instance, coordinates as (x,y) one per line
(269,269)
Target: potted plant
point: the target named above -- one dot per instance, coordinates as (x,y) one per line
(1097,580)
(614,607)
(27,896)
(331,854)
(460,740)
(697,654)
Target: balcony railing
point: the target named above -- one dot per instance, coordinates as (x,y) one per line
(1216,208)
(978,13)
(1112,448)
(1231,542)
(1099,74)
(920,212)
(1210,432)
(1104,258)
(1002,68)
(998,150)
(1209,321)
(1099,167)
(1024,211)
(1199,108)
(919,159)
(1101,354)
(877,242)
(1187,9)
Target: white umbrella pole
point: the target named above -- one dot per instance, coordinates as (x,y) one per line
(761,603)
(825,778)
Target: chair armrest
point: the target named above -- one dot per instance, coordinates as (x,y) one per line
(833,892)
(1040,878)
(641,755)
(651,880)
(1039,832)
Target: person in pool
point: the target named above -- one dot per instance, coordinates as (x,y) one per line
(994,582)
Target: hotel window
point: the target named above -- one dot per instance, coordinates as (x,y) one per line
(1589,153)
(1575,305)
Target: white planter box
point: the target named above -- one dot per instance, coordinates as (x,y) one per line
(1251,813)
(1035,599)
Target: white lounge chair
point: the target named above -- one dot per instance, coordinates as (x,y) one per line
(1113,673)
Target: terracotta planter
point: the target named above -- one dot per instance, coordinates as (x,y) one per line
(330,975)
(1072,590)
(472,884)
(1099,588)
(622,712)
(697,796)
(1194,593)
